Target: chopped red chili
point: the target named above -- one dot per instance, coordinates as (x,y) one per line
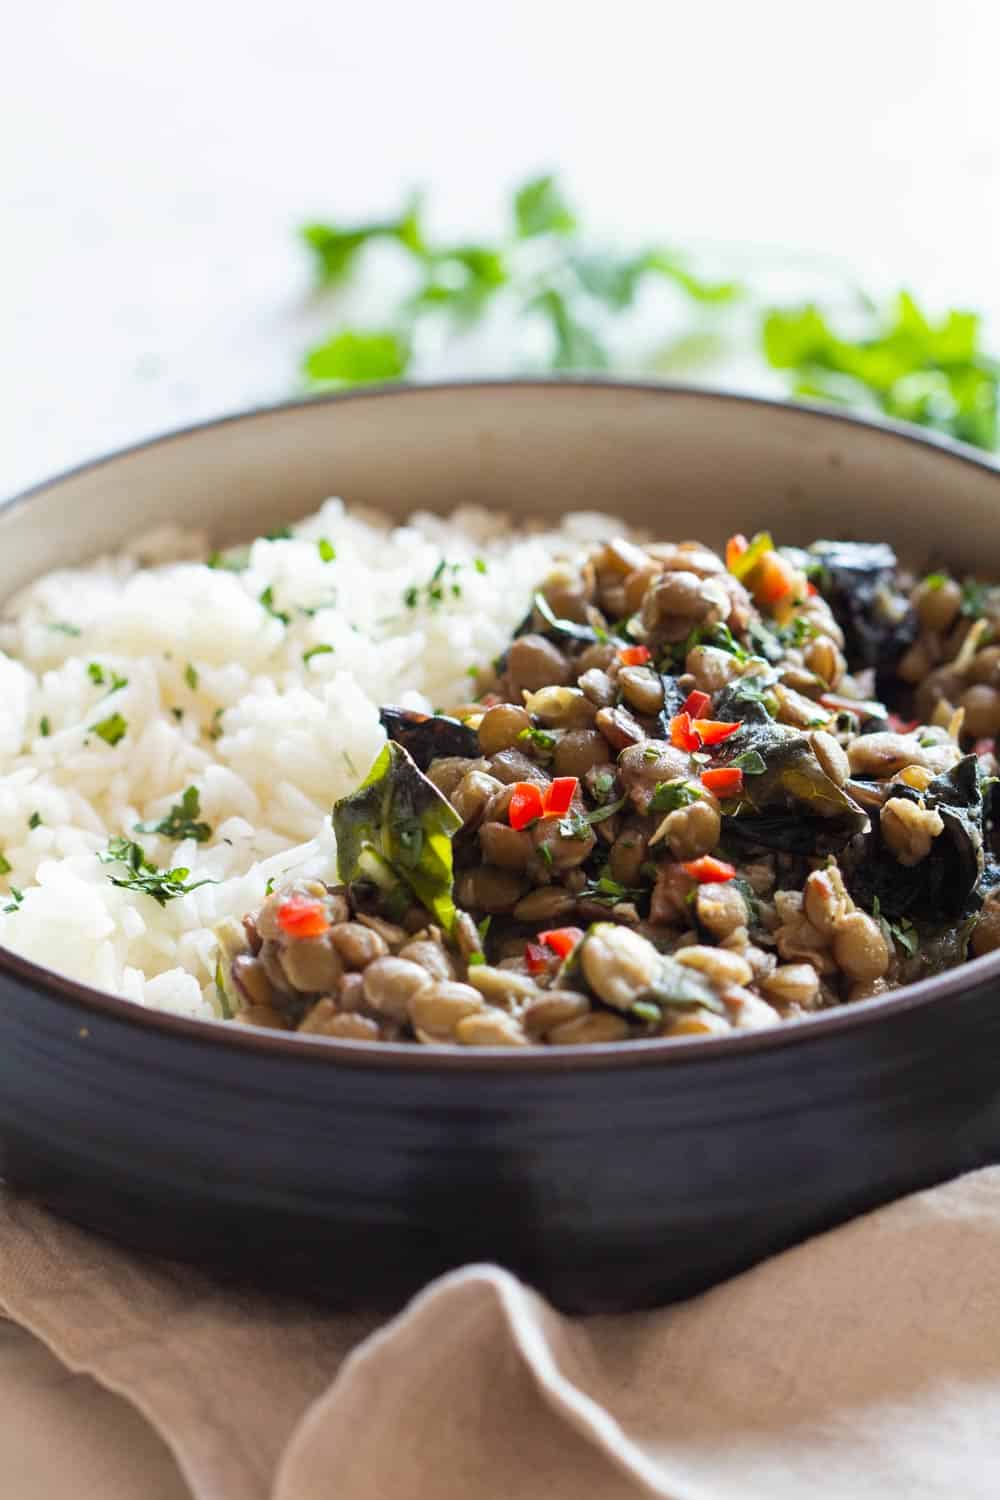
(708,868)
(561,940)
(726,781)
(525,804)
(536,958)
(696,703)
(773,579)
(682,733)
(302,917)
(713,731)
(735,548)
(559,795)
(634,656)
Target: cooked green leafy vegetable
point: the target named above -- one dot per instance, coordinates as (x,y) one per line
(858,581)
(791,804)
(426,737)
(396,830)
(182,820)
(944,884)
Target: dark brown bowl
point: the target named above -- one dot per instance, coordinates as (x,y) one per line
(610,1176)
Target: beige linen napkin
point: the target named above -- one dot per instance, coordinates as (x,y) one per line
(863,1363)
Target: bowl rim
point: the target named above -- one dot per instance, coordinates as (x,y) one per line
(396,1056)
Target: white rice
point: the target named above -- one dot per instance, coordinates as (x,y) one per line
(269,739)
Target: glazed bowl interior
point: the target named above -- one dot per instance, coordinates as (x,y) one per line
(683,463)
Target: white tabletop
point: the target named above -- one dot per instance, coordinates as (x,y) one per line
(154,163)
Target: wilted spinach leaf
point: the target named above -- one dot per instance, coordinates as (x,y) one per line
(428,736)
(401,820)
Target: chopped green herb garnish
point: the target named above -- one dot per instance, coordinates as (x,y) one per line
(479,565)
(17,897)
(540,738)
(142,875)
(974,599)
(96,673)
(191,677)
(181,821)
(238,563)
(5,865)
(111,729)
(651,753)
(750,762)
(44,727)
(321,650)
(483,928)
(35,821)
(935,581)
(270,885)
(670,795)
(283,534)
(798,632)
(266,599)
(178,714)
(215,733)
(603,784)
(326,550)
(116,683)
(545,853)
(63,628)
(606,889)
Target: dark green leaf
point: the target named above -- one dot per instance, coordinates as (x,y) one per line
(5,865)
(670,795)
(141,875)
(396,829)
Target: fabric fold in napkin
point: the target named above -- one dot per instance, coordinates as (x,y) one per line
(865,1362)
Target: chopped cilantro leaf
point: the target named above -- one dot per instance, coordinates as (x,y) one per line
(326,550)
(191,677)
(96,673)
(63,628)
(141,875)
(5,865)
(44,727)
(670,795)
(479,565)
(181,821)
(750,762)
(266,600)
(17,897)
(112,729)
(35,821)
(270,885)
(282,534)
(321,650)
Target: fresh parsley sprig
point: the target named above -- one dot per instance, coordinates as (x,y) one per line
(140,874)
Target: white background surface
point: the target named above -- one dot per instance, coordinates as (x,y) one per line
(154,162)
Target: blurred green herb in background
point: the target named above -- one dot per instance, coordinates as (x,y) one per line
(546,271)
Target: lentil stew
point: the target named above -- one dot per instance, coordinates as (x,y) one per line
(695,794)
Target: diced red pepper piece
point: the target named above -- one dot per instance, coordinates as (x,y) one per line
(708,868)
(714,731)
(559,795)
(899,725)
(525,804)
(634,656)
(302,917)
(773,579)
(811,588)
(536,958)
(735,548)
(696,703)
(561,940)
(726,781)
(682,733)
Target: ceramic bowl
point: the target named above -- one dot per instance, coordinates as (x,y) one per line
(609,1176)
